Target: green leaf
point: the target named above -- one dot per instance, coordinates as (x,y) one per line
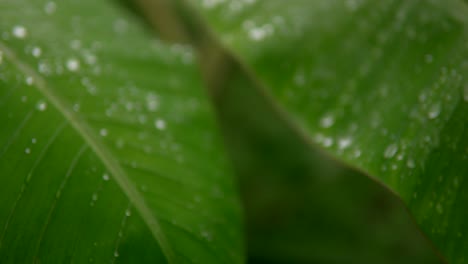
(301,205)
(107,147)
(379,84)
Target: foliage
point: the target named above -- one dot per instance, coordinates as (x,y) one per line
(344,123)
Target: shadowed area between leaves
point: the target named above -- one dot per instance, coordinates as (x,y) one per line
(301,205)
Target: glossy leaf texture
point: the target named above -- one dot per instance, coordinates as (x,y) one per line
(379,84)
(108,150)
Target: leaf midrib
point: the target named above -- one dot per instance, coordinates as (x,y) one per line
(106,157)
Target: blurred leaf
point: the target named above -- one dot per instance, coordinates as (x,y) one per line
(107,146)
(379,84)
(301,205)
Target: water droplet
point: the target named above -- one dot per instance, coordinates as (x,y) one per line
(27,150)
(207,235)
(344,143)
(299,78)
(119,143)
(357,153)
(103,132)
(142,119)
(208,4)
(105,177)
(94,197)
(327,121)
(259,33)
(50,7)
(352,5)
(36,52)
(76,107)
(160,124)
(128,212)
(327,142)
(29,80)
(34,140)
(434,111)
(73,65)
(400,156)
(129,106)
(41,106)
(75,44)
(116,254)
(44,68)
(120,26)
(19,32)
(428,58)
(390,151)
(152,103)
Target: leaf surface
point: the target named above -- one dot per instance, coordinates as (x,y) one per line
(108,151)
(379,84)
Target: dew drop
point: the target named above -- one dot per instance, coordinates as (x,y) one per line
(50,7)
(344,143)
(428,58)
(41,106)
(152,103)
(44,68)
(400,156)
(103,132)
(259,33)
(34,140)
(120,26)
(75,44)
(129,106)
(36,52)
(128,212)
(207,235)
(299,78)
(142,119)
(116,254)
(357,153)
(19,31)
(29,80)
(105,176)
(390,151)
(410,164)
(327,142)
(76,107)
(89,58)
(73,65)
(119,143)
(327,121)
(27,151)
(160,124)
(434,111)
